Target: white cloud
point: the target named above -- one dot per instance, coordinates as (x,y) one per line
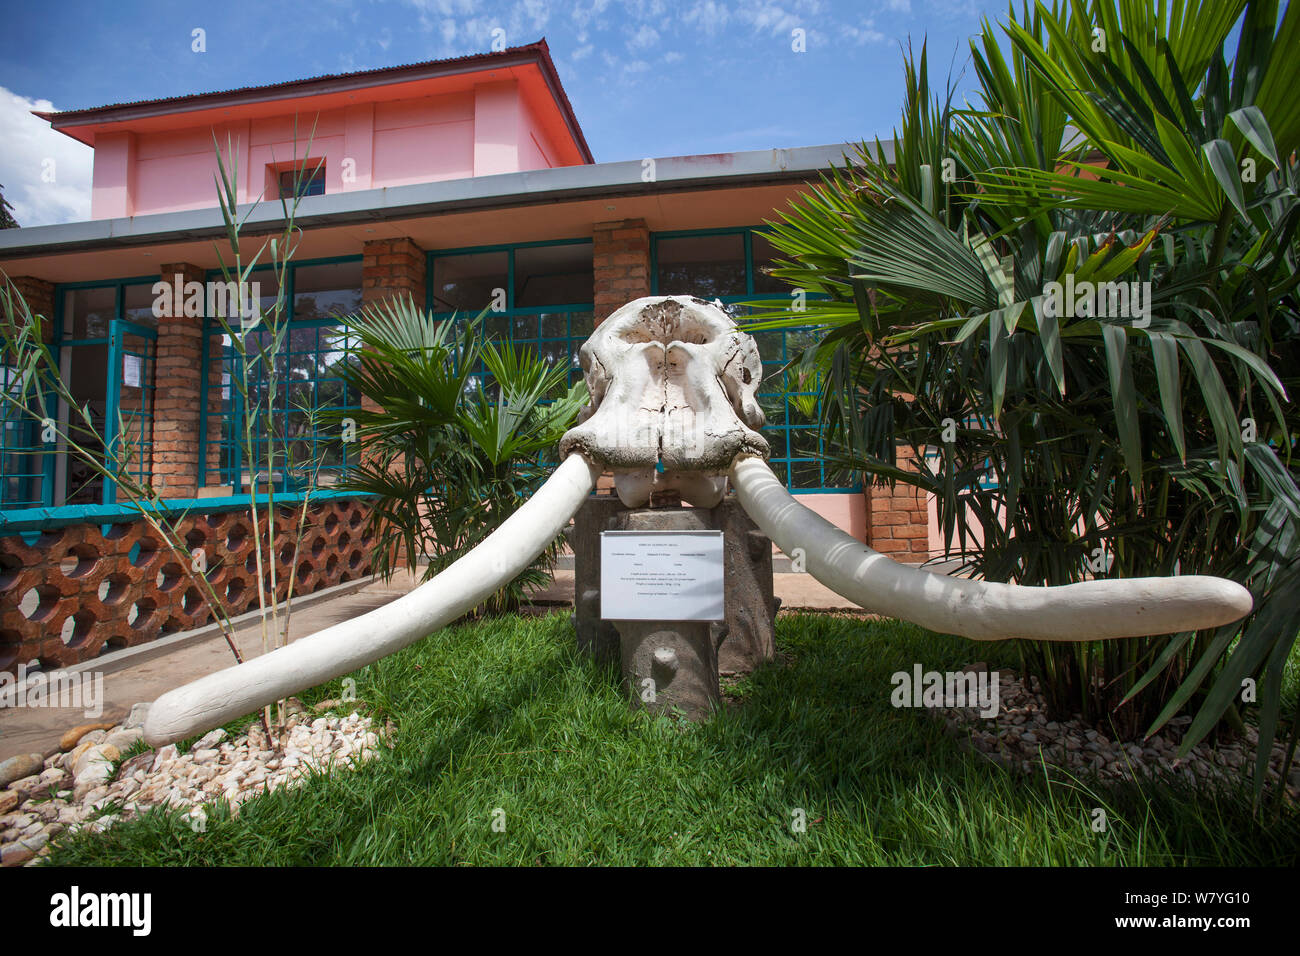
(582,52)
(621,67)
(864,34)
(707,15)
(646,36)
(536,12)
(769,17)
(30,146)
(583,16)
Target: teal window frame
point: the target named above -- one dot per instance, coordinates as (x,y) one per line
(23,462)
(779,435)
(573,337)
(118,328)
(231,473)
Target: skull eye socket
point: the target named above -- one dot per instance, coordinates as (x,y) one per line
(745,376)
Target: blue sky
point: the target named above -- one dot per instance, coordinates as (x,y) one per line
(646,77)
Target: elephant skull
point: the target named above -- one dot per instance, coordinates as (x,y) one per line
(673,385)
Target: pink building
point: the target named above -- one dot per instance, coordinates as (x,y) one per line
(444,180)
(424,123)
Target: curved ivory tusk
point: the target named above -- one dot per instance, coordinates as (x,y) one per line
(982,610)
(502,556)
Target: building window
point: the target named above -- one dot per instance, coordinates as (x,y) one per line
(728,265)
(311,182)
(22,467)
(313,346)
(105,343)
(539,296)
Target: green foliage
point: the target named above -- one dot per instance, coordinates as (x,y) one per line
(447,455)
(1113,144)
(507,714)
(7,221)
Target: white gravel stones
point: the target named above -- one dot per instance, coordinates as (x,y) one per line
(1021,738)
(68,791)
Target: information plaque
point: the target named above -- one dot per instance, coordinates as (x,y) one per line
(661,576)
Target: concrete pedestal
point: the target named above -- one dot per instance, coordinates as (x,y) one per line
(669,664)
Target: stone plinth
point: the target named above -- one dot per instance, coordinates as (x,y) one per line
(669,664)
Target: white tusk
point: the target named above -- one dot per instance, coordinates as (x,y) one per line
(982,610)
(217,698)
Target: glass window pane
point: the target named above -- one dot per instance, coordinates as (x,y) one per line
(805,474)
(581,325)
(266,286)
(764,256)
(525,327)
(554,275)
(22,470)
(87,313)
(497,327)
(137,305)
(468,283)
(555,325)
(327,291)
(704,266)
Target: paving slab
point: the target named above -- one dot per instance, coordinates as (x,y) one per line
(37,729)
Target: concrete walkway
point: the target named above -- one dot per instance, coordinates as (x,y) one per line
(144,673)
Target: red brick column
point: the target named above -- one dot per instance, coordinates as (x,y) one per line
(39,296)
(621,259)
(178,385)
(898,522)
(392,267)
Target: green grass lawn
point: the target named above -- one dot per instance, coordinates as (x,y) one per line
(505,714)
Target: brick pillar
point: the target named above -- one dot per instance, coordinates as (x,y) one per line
(621,259)
(898,522)
(39,296)
(178,384)
(392,267)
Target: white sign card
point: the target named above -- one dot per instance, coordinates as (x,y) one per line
(661,576)
(132,371)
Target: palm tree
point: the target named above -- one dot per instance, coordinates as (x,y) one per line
(453,438)
(1114,144)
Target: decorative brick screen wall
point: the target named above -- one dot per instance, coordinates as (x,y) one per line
(76,589)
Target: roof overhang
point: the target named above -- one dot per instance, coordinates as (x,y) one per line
(452,213)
